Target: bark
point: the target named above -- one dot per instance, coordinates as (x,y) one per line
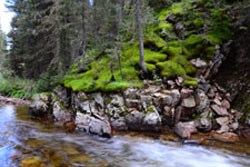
(138,14)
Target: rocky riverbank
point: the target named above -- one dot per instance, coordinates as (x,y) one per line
(187,110)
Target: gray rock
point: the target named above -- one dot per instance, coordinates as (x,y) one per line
(60,113)
(152,118)
(176,96)
(219,110)
(185,93)
(133,103)
(188,102)
(92,125)
(63,95)
(131,93)
(119,124)
(185,129)
(205,124)
(225,103)
(224,123)
(204,101)
(134,120)
(198,63)
(117,101)
(40,105)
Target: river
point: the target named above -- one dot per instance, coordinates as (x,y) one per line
(29,142)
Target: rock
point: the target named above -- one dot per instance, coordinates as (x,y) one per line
(219,110)
(185,93)
(171,83)
(205,124)
(119,124)
(63,94)
(117,101)
(224,123)
(133,103)
(176,96)
(60,113)
(146,99)
(179,81)
(134,120)
(152,118)
(188,102)
(177,114)
(234,126)
(225,103)
(99,101)
(217,101)
(198,63)
(171,18)
(204,102)
(40,105)
(94,125)
(185,129)
(131,93)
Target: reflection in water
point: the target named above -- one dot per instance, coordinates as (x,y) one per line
(24,140)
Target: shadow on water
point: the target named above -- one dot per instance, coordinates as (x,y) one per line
(30,142)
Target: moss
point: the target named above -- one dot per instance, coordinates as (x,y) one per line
(193,40)
(182,60)
(122,85)
(198,22)
(150,109)
(210,51)
(150,67)
(154,39)
(164,27)
(181,8)
(214,40)
(189,81)
(171,69)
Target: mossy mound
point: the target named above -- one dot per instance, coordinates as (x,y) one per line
(168,49)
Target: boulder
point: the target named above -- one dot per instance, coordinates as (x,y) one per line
(134,120)
(152,118)
(40,105)
(133,103)
(188,102)
(60,112)
(205,124)
(185,129)
(224,123)
(63,94)
(219,110)
(176,97)
(119,124)
(93,125)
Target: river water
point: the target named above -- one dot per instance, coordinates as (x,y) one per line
(28,142)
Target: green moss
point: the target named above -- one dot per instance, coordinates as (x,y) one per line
(189,81)
(171,69)
(214,40)
(122,85)
(181,8)
(187,66)
(154,39)
(164,27)
(210,51)
(150,67)
(198,22)
(193,40)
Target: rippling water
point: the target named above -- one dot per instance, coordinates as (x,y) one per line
(24,139)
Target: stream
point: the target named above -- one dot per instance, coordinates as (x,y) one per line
(29,142)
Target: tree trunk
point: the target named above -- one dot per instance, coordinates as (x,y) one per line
(140,35)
